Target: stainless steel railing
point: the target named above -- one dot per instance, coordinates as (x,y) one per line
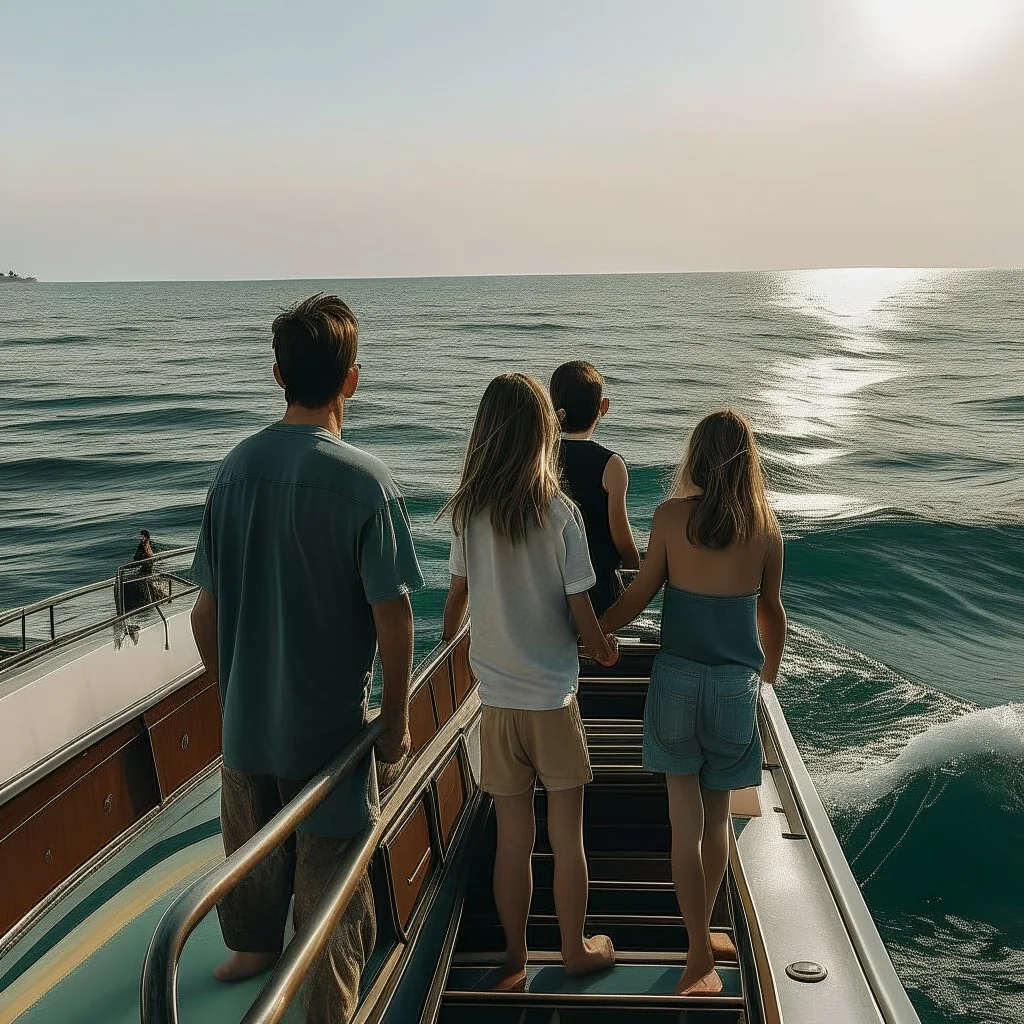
(56,639)
(159,995)
(890,995)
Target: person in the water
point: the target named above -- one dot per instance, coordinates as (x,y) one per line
(593,476)
(519,562)
(716,547)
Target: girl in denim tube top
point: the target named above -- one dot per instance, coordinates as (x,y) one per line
(716,547)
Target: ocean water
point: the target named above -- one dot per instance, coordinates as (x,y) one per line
(890,410)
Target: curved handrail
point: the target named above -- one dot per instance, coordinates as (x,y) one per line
(50,604)
(893,1001)
(159,997)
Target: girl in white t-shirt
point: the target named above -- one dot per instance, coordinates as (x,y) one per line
(520,565)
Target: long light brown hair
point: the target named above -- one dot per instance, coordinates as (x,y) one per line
(511,465)
(722,461)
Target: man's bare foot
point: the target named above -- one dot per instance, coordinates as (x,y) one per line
(700,977)
(722,946)
(598,954)
(240,966)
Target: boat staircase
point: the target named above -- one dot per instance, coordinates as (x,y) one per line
(626,832)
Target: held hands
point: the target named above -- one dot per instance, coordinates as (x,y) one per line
(612,656)
(394,744)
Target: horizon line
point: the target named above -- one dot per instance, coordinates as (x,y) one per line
(457,277)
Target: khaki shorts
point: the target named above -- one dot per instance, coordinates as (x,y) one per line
(517,747)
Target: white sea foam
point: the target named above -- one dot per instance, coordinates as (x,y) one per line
(988,732)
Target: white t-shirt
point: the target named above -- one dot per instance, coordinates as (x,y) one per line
(524,642)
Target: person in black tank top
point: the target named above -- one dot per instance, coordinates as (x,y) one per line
(594,477)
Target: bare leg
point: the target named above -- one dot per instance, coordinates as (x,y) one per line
(513,880)
(686,812)
(565,830)
(714,851)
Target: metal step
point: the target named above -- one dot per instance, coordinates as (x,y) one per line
(482,933)
(620,994)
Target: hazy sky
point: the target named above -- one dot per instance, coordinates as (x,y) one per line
(337,139)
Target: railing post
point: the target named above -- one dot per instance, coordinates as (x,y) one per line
(24,643)
(53,624)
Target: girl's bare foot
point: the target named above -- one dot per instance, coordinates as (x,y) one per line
(722,946)
(514,982)
(709,985)
(241,966)
(598,954)
(700,977)
(513,977)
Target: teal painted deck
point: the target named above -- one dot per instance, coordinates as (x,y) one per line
(623,979)
(81,963)
(106,986)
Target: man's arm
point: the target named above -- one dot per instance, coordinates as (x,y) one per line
(204,629)
(393,620)
(455,607)
(616,483)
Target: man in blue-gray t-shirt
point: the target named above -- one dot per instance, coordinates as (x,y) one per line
(306,563)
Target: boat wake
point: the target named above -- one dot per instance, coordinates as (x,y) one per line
(975,743)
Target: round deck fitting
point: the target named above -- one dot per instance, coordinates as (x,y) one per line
(807,971)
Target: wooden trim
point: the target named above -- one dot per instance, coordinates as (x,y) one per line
(187,739)
(422,719)
(159,711)
(451,795)
(462,674)
(67,818)
(61,836)
(409,856)
(443,693)
(25,805)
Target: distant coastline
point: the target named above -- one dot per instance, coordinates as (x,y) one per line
(12,278)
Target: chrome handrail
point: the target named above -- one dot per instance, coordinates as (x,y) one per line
(886,987)
(159,995)
(115,583)
(53,602)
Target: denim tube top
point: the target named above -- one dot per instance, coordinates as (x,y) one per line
(710,629)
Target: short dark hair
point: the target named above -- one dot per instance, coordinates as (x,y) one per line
(576,390)
(315,347)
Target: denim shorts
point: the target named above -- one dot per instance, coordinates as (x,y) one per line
(702,720)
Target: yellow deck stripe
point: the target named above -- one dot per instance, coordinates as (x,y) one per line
(96,931)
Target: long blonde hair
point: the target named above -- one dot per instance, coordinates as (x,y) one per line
(511,465)
(722,461)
